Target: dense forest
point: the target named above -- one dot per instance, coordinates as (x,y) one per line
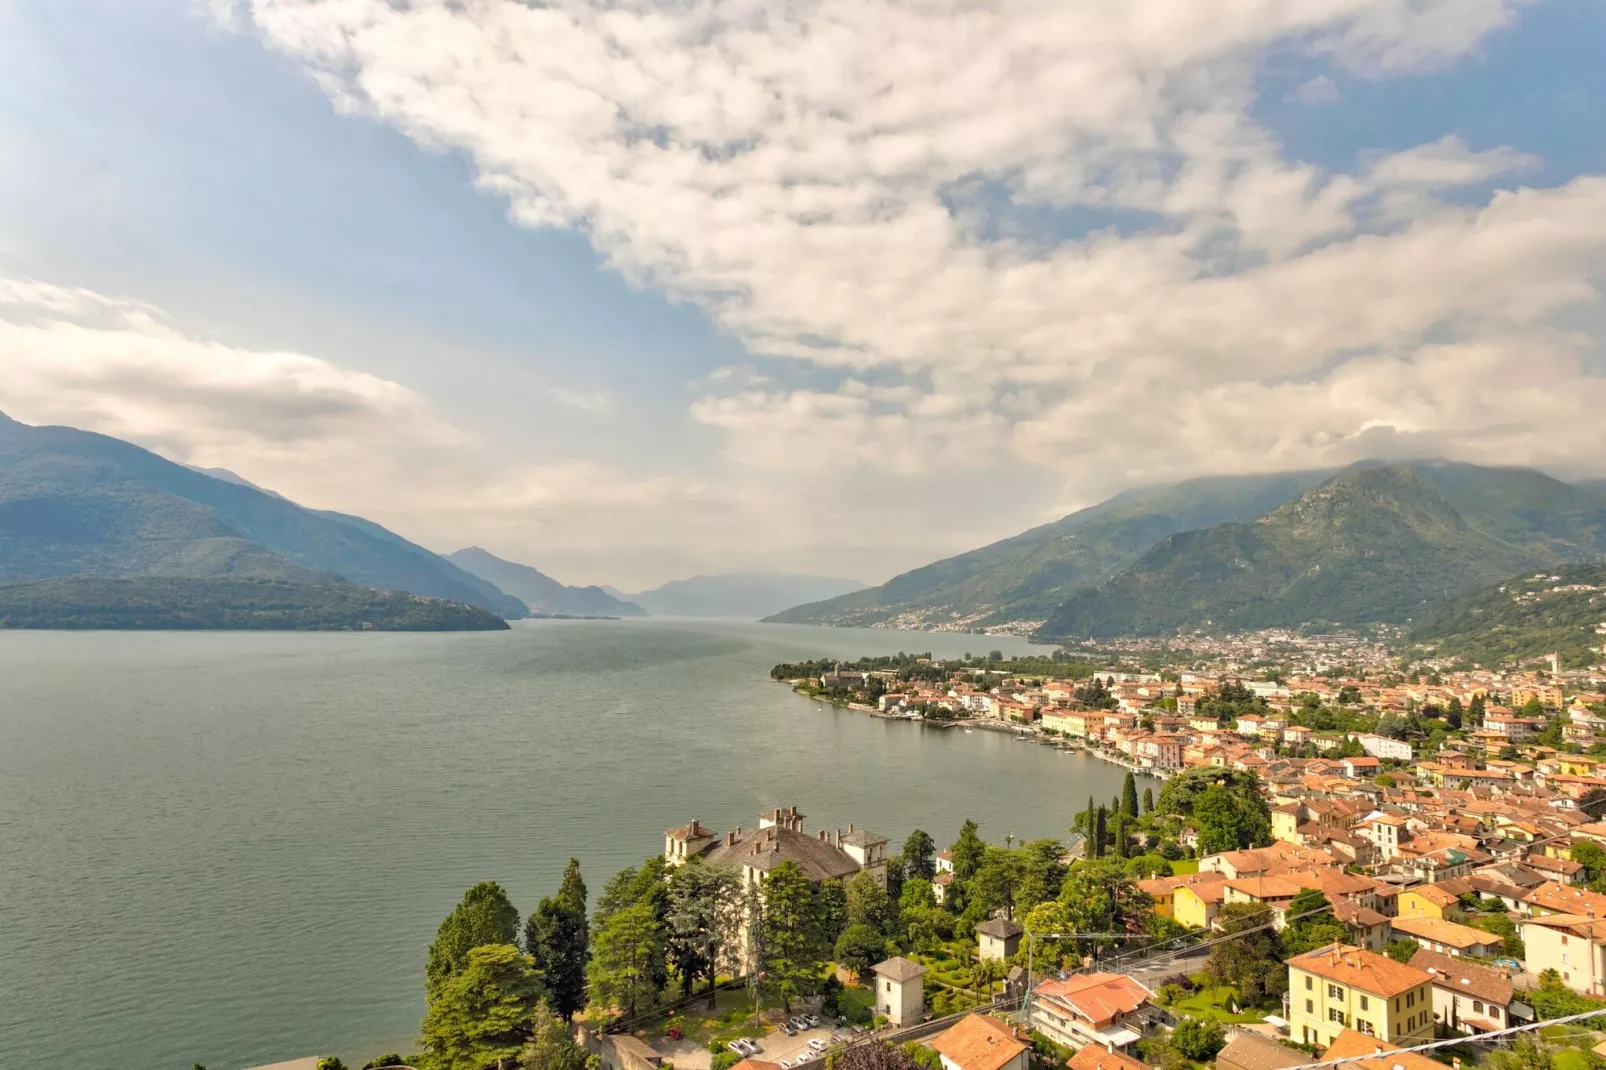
(179,602)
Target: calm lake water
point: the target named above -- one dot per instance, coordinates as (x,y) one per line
(234,848)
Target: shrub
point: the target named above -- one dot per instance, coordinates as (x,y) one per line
(724,1060)
(388,1059)
(1198,1039)
(331,1062)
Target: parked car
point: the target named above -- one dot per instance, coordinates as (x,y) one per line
(818,1045)
(812,1019)
(752,1046)
(737,1046)
(786,1027)
(798,1022)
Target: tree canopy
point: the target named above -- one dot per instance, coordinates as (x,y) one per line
(482,1014)
(484,916)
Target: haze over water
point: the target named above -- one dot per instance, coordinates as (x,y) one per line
(234,848)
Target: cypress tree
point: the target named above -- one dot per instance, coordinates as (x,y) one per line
(1148,800)
(1101,833)
(1129,795)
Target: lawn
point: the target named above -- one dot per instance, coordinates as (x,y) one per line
(1215,1003)
(1183,866)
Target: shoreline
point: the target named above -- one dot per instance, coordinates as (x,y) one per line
(1023,732)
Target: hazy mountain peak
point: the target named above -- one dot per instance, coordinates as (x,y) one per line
(542,593)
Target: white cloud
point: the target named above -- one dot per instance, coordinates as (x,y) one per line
(1319,90)
(789,168)
(598,403)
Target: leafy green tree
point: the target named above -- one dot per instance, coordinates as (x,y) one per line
(919,856)
(868,904)
(1099,897)
(558,937)
(331,1062)
(1402,950)
(484,916)
(967,852)
(1593,803)
(1249,956)
(1048,949)
(860,947)
(1228,822)
(994,884)
(482,1014)
(551,1045)
(627,959)
(1148,800)
(793,957)
(1129,795)
(829,912)
(1043,873)
(379,1062)
(1199,1039)
(1147,867)
(1316,926)
(1588,853)
(704,918)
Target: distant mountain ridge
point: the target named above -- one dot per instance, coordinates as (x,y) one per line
(1373,545)
(542,593)
(1552,611)
(75,503)
(1158,559)
(1025,577)
(748,595)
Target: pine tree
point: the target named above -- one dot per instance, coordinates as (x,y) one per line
(627,959)
(704,917)
(1129,795)
(558,938)
(482,1014)
(919,856)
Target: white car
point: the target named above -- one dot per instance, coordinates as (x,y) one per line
(818,1045)
(751,1046)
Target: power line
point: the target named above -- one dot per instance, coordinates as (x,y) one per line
(1478,1038)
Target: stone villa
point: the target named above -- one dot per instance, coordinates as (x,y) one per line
(822,856)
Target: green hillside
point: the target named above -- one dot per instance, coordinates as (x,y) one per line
(180,602)
(1025,577)
(541,592)
(1536,614)
(76,503)
(1372,544)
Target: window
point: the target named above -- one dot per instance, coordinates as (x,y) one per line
(1310,982)
(1365,1027)
(1396,1004)
(1363,1003)
(1310,1008)
(1477,1006)
(889,987)
(1410,998)
(1334,992)
(1494,1013)
(1335,1015)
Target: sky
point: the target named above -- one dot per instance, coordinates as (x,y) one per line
(629,291)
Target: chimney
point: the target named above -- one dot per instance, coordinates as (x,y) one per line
(838,840)
(822,835)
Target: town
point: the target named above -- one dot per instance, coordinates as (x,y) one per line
(1401,867)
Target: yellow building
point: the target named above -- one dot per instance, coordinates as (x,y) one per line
(1339,987)
(1427,901)
(1285,822)
(1196,905)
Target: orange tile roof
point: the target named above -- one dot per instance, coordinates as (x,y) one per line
(1098,997)
(978,1042)
(1093,1057)
(1565,899)
(1439,931)
(1349,1043)
(1368,971)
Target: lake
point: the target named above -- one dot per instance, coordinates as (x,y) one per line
(234,848)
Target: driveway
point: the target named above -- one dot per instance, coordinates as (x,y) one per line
(778,1046)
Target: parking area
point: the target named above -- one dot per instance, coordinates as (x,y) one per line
(780,1048)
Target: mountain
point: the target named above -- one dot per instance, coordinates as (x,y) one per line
(77,503)
(749,595)
(542,593)
(1536,614)
(1023,578)
(1376,543)
(187,602)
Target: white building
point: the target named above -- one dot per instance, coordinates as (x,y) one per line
(1384,747)
(899,991)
